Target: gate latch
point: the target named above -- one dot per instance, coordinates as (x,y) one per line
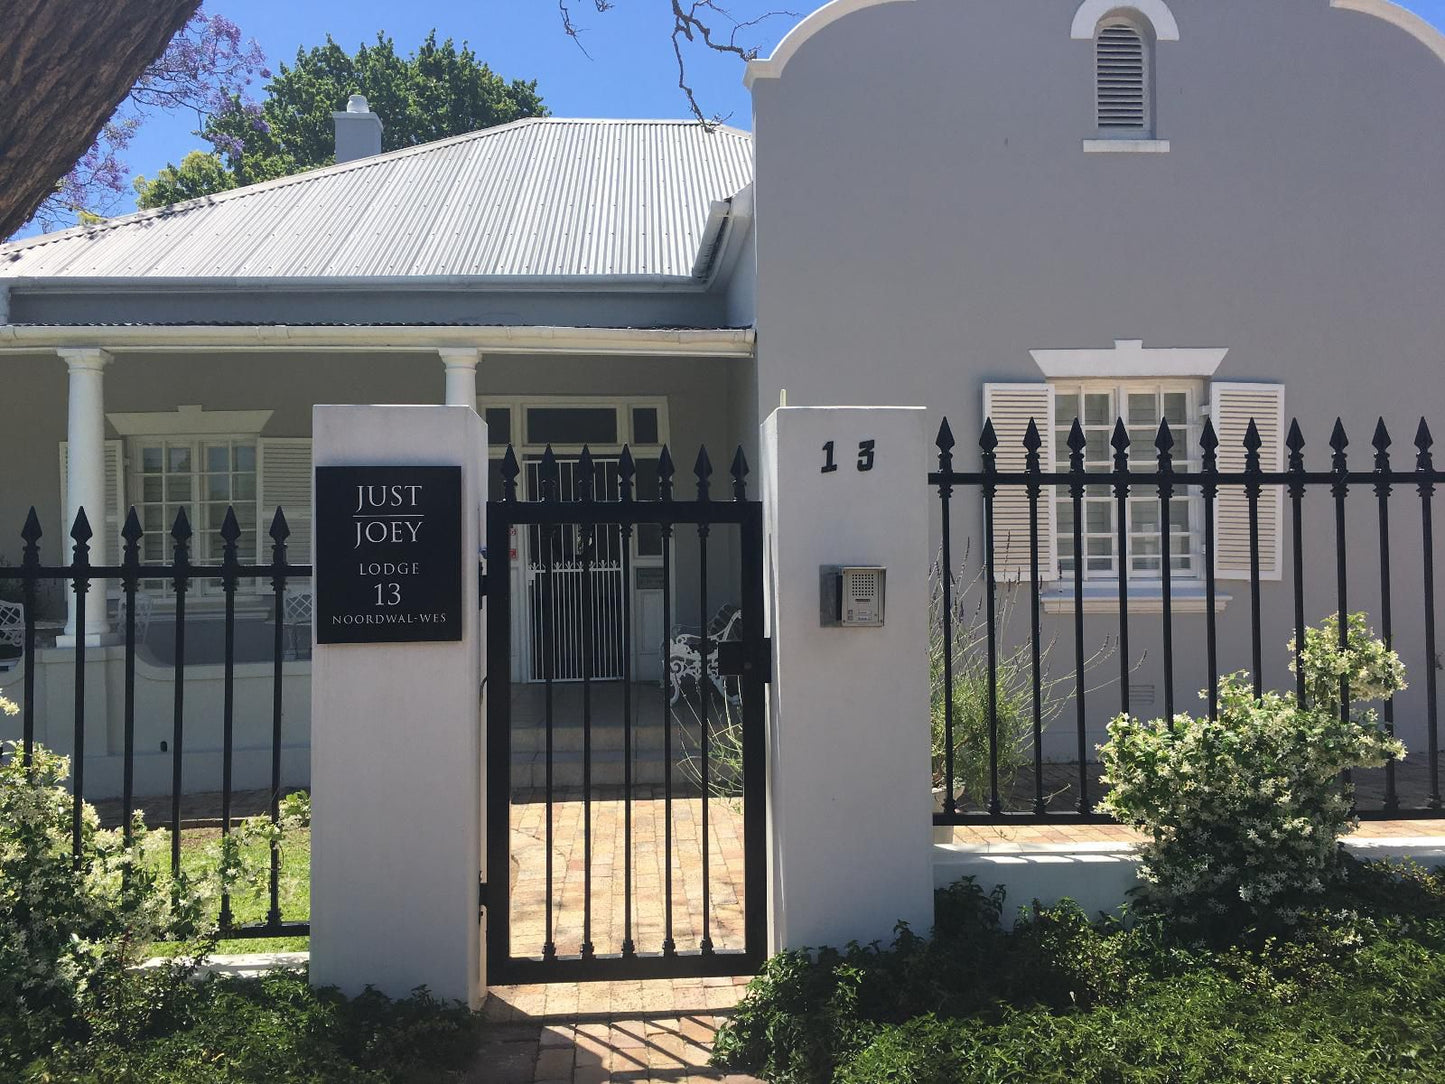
(735,660)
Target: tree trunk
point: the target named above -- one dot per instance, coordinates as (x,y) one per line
(64,67)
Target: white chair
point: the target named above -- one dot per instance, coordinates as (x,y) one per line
(12,632)
(144,604)
(685,663)
(296,624)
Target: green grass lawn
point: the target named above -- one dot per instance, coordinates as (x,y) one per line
(201,850)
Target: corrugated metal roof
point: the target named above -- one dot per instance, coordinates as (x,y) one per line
(542,198)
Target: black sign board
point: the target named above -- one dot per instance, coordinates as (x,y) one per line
(388,554)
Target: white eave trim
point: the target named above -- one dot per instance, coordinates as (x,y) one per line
(32,284)
(189,421)
(772,67)
(1395,15)
(670,342)
(1128,358)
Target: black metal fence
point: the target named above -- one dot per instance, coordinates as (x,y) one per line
(1161,478)
(180,573)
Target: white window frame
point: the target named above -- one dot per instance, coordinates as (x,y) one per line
(1186,458)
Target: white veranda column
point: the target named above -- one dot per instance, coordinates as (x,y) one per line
(461,366)
(85,471)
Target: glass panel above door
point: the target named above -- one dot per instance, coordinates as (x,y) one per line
(572,425)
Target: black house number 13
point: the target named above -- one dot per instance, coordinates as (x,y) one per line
(865,456)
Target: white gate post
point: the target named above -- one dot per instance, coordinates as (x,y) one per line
(396,752)
(849,737)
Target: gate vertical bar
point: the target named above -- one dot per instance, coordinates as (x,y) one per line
(80,582)
(1164,444)
(546,535)
(625,471)
(586,539)
(1382,493)
(703,470)
(1338,443)
(1120,443)
(1296,443)
(945,444)
(755,839)
(30,565)
(130,581)
(181,534)
(1032,441)
(230,532)
(665,471)
(1077,443)
(1425,466)
(1252,490)
(499,721)
(1209,446)
(279,532)
(988,442)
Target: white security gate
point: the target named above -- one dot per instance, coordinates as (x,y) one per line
(578,553)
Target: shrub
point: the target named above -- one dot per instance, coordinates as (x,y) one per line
(1244,812)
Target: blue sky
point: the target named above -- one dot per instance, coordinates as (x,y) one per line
(631,72)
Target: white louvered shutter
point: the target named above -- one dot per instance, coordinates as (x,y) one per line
(285,464)
(1231,408)
(1010,406)
(1121,71)
(105,547)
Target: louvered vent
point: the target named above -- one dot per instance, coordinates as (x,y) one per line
(1122,79)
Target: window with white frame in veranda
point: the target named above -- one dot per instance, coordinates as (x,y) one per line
(204,477)
(1141,405)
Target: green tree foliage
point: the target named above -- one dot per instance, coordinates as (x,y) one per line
(199,174)
(437,91)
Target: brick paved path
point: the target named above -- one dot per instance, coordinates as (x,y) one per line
(587,1033)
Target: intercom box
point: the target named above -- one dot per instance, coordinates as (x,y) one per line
(852,596)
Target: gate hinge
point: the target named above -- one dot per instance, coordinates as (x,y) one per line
(481,897)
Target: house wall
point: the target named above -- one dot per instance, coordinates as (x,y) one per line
(926,216)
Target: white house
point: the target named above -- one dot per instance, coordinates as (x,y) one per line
(1162,208)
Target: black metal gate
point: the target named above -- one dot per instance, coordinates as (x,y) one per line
(685,896)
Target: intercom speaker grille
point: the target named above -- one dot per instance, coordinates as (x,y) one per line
(865,585)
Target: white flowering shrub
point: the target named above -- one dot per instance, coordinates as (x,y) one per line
(69,929)
(1243,813)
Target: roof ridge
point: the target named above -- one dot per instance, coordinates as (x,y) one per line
(335,169)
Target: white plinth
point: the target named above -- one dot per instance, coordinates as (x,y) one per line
(849,803)
(396,752)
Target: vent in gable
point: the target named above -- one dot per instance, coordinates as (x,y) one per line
(1121,72)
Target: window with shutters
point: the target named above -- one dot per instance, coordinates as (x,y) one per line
(1123,76)
(1141,405)
(204,477)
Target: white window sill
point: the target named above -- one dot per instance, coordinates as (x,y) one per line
(1104,599)
(1126,146)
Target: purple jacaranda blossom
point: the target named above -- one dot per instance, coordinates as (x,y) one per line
(206,69)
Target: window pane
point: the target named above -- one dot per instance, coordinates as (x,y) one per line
(1143,409)
(645,484)
(1099,518)
(153,520)
(499,426)
(152,459)
(1066,517)
(218,487)
(644,425)
(1145,516)
(152,488)
(1176,408)
(1066,409)
(649,540)
(218,458)
(1098,409)
(244,487)
(178,458)
(178,487)
(245,457)
(571,425)
(1097,449)
(1179,515)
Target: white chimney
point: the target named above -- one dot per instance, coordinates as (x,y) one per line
(358,131)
